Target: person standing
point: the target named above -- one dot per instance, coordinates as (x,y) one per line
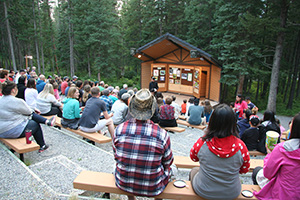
(239,106)
(142,150)
(153,85)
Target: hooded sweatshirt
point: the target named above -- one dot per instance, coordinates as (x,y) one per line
(282,168)
(71,109)
(221,160)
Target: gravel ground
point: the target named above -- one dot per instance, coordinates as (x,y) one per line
(49,175)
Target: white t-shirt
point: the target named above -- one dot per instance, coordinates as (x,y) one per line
(31,95)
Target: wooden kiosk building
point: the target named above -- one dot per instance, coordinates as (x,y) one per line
(179,67)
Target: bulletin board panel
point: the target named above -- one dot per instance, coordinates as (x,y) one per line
(174,75)
(159,72)
(196,82)
(187,76)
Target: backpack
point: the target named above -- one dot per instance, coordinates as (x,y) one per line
(262,135)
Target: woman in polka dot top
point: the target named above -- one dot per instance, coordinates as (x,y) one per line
(222,156)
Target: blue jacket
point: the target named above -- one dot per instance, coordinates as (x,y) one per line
(243,125)
(40,85)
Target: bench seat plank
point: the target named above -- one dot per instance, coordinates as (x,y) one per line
(185,123)
(19,145)
(182,117)
(256,153)
(186,162)
(96,137)
(174,129)
(104,182)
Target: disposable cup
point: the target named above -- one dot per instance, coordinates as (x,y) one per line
(271,139)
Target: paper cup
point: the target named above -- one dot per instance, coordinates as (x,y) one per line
(271,139)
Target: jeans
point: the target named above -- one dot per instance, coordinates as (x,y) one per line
(38,118)
(36,131)
(54,111)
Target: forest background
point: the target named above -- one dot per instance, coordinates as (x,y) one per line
(257,42)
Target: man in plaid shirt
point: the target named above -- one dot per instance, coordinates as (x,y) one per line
(107,100)
(142,150)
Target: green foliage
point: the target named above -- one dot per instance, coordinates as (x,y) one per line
(240,34)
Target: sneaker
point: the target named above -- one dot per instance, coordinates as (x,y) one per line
(51,121)
(43,148)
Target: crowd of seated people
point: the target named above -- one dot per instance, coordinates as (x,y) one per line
(90,106)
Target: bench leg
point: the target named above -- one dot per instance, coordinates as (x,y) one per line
(106,195)
(57,127)
(89,141)
(22,157)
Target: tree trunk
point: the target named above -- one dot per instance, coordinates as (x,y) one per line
(89,64)
(41,41)
(52,39)
(294,80)
(277,57)
(10,38)
(224,92)
(249,87)
(71,40)
(285,83)
(36,39)
(298,86)
(286,89)
(264,89)
(257,91)
(241,83)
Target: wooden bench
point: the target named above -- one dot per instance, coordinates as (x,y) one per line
(186,162)
(104,182)
(174,129)
(95,137)
(19,145)
(182,117)
(190,125)
(256,153)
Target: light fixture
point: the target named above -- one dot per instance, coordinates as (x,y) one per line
(201,59)
(139,56)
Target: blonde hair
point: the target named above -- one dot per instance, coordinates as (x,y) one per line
(48,89)
(71,92)
(87,91)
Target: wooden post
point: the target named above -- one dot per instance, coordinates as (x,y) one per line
(26,62)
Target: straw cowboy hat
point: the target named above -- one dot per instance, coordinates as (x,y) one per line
(142,105)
